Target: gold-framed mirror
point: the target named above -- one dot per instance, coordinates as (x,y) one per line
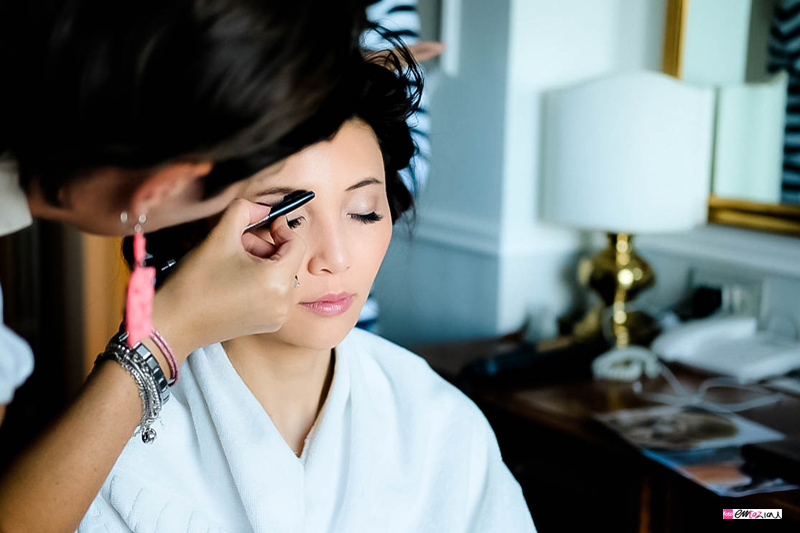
(753,51)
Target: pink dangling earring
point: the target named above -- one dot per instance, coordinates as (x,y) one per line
(141,289)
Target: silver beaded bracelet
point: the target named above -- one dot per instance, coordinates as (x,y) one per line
(146,372)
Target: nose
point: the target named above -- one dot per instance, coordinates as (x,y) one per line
(328,249)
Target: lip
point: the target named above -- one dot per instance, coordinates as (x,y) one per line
(330,304)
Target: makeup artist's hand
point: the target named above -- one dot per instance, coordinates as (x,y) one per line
(219,291)
(421,52)
(232,284)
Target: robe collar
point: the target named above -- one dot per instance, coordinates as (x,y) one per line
(260,461)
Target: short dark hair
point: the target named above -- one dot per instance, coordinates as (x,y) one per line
(135,84)
(384,96)
(390,95)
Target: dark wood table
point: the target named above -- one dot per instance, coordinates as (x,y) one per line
(575,474)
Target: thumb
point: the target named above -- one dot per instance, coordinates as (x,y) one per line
(239,214)
(291,248)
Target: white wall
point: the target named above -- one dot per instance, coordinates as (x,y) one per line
(479,259)
(553,44)
(442,284)
(772,261)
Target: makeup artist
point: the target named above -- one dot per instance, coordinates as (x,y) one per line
(123,116)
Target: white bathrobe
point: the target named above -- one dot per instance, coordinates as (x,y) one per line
(395,449)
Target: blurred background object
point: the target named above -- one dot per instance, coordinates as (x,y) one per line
(626,155)
(482,261)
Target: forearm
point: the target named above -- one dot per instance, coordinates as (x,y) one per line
(209,299)
(52,483)
(50,486)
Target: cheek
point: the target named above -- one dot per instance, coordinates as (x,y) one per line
(373,250)
(368,247)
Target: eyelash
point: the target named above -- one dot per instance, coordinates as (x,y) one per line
(370,218)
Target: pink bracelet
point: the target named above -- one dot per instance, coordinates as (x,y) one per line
(165,348)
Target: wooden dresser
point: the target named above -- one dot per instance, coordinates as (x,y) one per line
(577,475)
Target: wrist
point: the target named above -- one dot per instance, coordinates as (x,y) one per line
(171,324)
(158,354)
(142,365)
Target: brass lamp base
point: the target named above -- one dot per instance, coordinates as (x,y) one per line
(618,274)
(642,328)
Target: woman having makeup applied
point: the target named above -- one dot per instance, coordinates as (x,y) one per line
(318,426)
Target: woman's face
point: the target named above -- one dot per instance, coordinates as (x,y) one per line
(347,228)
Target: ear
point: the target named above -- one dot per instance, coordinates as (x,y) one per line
(168,181)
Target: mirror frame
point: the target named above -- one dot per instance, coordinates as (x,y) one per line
(775,218)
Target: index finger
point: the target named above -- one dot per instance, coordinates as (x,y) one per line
(235,219)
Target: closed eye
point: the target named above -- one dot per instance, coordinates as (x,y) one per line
(369,218)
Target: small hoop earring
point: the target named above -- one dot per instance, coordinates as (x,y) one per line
(123,217)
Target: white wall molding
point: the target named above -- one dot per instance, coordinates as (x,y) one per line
(483,237)
(536,238)
(458,231)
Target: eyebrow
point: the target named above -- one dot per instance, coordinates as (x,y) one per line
(288,190)
(363,183)
(276,190)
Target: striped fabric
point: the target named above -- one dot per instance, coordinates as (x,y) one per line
(401,19)
(784,54)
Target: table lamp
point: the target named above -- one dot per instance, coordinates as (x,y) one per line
(626,154)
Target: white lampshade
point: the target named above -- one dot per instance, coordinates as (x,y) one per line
(628,154)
